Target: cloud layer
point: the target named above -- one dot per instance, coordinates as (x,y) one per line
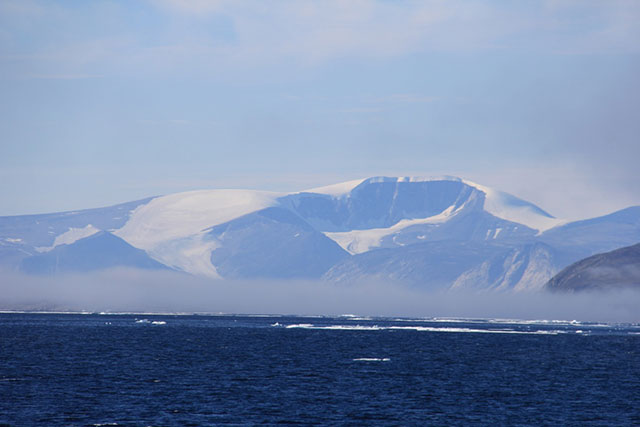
(136,291)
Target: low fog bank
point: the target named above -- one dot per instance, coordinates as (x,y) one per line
(166,292)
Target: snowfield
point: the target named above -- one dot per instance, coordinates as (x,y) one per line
(71,236)
(433,232)
(359,241)
(336,190)
(510,208)
(170,228)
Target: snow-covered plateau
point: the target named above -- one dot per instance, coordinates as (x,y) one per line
(436,233)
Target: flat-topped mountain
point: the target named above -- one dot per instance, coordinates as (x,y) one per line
(434,233)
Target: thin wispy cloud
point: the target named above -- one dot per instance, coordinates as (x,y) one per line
(310,33)
(325,87)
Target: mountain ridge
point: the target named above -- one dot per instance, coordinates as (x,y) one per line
(325,231)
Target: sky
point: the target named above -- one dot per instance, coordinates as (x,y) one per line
(104,102)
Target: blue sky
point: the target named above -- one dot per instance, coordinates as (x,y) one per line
(109,101)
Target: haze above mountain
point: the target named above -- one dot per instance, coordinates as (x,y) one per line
(429,233)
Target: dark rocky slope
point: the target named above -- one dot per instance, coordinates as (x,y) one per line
(610,270)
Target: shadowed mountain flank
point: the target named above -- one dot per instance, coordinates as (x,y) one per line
(100,251)
(610,270)
(425,232)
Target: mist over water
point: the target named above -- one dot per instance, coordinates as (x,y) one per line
(122,290)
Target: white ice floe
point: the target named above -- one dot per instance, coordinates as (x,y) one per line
(71,236)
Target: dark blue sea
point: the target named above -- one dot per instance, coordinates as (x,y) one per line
(170,370)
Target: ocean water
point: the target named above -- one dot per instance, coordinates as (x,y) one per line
(169,370)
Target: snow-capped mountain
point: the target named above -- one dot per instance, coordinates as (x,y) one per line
(441,232)
(388,212)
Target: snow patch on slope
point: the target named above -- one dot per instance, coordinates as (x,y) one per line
(510,208)
(70,236)
(191,254)
(497,203)
(185,214)
(336,190)
(170,227)
(359,241)
(377,179)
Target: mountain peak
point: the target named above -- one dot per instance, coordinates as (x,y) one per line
(497,203)
(344,188)
(406,227)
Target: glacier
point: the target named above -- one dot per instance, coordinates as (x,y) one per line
(428,232)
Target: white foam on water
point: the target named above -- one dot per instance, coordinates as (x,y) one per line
(420,329)
(372,359)
(574,323)
(158,322)
(335,327)
(470,330)
(300,326)
(440,320)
